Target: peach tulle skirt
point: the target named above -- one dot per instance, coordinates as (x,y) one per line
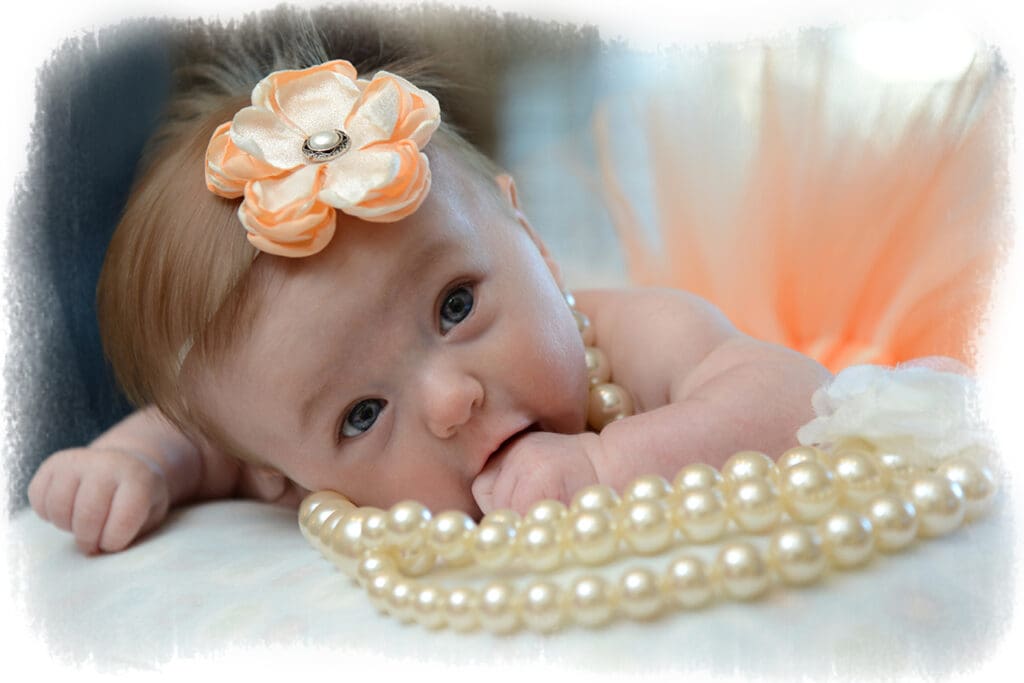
(864,230)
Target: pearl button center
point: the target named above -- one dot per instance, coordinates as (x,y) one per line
(324,141)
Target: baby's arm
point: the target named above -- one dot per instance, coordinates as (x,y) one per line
(745,394)
(124,482)
(703,392)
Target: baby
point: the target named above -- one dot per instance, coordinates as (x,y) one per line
(392,328)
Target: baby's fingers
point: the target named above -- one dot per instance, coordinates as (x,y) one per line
(60,500)
(483,487)
(37,490)
(92,506)
(129,511)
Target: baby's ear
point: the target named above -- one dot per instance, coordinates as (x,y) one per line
(508,189)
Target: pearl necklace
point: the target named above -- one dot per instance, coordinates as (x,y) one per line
(606,402)
(813,509)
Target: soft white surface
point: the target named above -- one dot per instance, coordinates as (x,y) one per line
(240,574)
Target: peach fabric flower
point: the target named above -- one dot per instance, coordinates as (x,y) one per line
(319,139)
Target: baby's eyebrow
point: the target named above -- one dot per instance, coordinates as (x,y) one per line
(415,266)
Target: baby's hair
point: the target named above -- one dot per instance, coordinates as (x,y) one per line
(177,281)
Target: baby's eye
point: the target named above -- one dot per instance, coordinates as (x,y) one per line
(456,306)
(362,416)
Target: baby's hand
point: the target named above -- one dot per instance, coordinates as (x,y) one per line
(538,466)
(105,497)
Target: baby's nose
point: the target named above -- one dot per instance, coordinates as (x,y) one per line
(450,396)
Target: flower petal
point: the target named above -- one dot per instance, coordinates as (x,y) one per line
(283,215)
(298,238)
(380,184)
(400,200)
(351,178)
(265,136)
(287,193)
(263,93)
(228,168)
(318,102)
(390,109)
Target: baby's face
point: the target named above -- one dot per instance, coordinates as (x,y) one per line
(395,363)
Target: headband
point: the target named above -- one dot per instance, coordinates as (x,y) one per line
(318,140)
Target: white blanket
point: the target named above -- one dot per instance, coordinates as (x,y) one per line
(239,575)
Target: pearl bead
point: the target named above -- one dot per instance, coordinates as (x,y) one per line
(591,600)
(639,594)
(583,325)
(594,497)
(405,522)
(399,602)
(497,608)
(854,443)
(328,526)
(416,559)
(428,607)
(748,465)
(700,514)
(493,542)
(329,529)
(900,468)
(375,527)
(546,511)
(939,503)
(461,608)
(975,480)
(540,545)
(606,404)
(599,370)
(324,140)
(646,527)
(858,476)
(796,554)
(591,534)
(808,491)
(346,541)
(379,588)
(687,582)
(316,508)
(504,516)
(894,521)
(799,454)
(697,476)
(649,487)
(754,505)
(542,607)
(847,538)
(448,536)
(309,523)
(372,564)
(741,571)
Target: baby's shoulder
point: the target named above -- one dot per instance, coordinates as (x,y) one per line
(669,309)
(654,338)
